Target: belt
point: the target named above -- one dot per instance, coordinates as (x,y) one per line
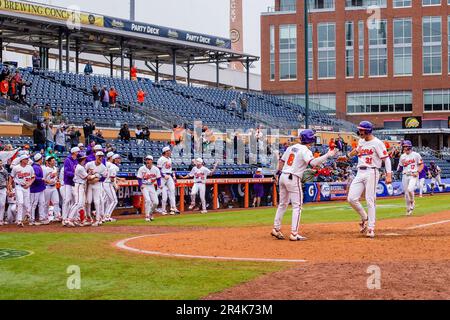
(366,168)
(200,182)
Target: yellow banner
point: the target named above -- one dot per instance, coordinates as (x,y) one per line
(71,15)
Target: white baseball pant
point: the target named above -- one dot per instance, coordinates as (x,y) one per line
(168,189)
(95,194)
(436,181)
(11,213)
(38,200)
(421,186)
(151,199)
(365,180)
(68,194)
(290,192)
(110,199)
(199,188)
(409,187)
(23,201)
(2,204)
(79,194)
(51,195)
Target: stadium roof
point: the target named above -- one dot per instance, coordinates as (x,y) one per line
(48,26)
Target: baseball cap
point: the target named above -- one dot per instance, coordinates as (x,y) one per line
(24,157)
(259,170)
(165,149)
(199,160)
(75,150)
(49,158)
(116,156)
(98,147)
(110,154)
(149,158)
(37,157)
(80,145)
(100,154)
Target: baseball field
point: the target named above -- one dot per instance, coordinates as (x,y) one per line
(230,255)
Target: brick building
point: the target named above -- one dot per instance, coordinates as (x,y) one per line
(377,60)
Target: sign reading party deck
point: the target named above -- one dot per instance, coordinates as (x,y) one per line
(164,32)
(51,12)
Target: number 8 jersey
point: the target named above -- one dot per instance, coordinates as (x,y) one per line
(296,160)
(371,153)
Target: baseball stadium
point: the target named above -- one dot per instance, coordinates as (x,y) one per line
(144,157)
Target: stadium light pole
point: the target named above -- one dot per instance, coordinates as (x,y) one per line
(132,10)
(306,65)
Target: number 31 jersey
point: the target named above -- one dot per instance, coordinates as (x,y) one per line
(296,159)
(371,153)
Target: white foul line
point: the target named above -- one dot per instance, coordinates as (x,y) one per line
(428,225)
(123,245)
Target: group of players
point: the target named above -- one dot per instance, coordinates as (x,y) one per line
(371,153)
(87,179)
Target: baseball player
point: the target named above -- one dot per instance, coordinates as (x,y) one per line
(22,176)
(93,155)
(200,173)
(168,181)
(410,165)
(423,174)
(11,213)
(3,191)
(68,194)
(110,187)
(147,176)
(51,178)
(371,153)
(95,187)
(435,171)
(37,191)
(79,190)
(291,167)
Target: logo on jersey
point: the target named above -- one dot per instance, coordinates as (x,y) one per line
(408,162)
(366,152)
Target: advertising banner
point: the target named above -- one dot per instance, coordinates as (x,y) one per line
(164,32)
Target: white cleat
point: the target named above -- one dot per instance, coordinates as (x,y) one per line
(409,213)
(175,211)
(277,234)
(96,224)
(192,206)
(297,237)
(370,234)
(70,224)
(164,213)
(20,224)
(363,226)
(204,212)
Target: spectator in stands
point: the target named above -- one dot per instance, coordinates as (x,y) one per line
(316,153)
(60,140)
(4,88)
(141,97)
(36,61)
(47,114)
(5,73)
(39,137)
(96,96)
(13,90)
(104,97)
(99,136)
(146,133)
(51,153)
(59,118)
(124,133)
(133,73)
(113,97)
(88,130)
(233,107)
(23,91)
(49,135)
(354,144)
(74,136)
(332,144)
(139,134)
(244,105)
(88,69)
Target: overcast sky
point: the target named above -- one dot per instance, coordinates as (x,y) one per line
(205,16)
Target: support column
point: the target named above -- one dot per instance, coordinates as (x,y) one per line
(247,63)
(77,56)
(122,61)
(111,65)
(60,51)
(1,49)
(419,141)
(157,70)
(217,71)
(174,64)
(67,51)
(441,142)
(189,73)
(131,63)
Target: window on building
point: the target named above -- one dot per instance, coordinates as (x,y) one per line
(431,2)
(432,45)
(378,64)
(361,48)
(349,50)
(326,36)
(324,102)
(351,4)
(436,100)
(288,52)
(448,28)
(272,52)
(402,3)
(321,5)
(310,52)
(379,102)
(403,46)
(288,5)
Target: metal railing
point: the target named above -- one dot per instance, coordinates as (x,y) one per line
(287,8)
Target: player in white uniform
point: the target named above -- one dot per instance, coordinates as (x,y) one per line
(168,181)
(95,187)
(79,191)
(200,173)
(22,175)
(371,153)
(292,165)
(110,187)
(3,191)
(68,193)
(51,178)
(147,176)
(410,164)
(11,213)
(108,163)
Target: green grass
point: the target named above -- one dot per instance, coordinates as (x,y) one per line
(107,273)
(312,213)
